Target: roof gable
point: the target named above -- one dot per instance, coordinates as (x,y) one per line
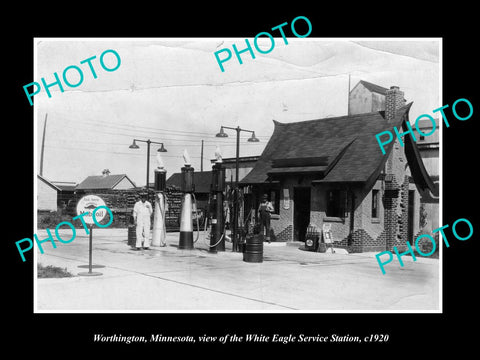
(374,87)
(53,186)
(102,182)
(65,186)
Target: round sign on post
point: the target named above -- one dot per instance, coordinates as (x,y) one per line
(88,204)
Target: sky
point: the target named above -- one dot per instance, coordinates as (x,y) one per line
(173,91)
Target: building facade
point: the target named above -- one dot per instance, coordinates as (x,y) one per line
(54,195)
(366,97)
(331,172)
(47,194)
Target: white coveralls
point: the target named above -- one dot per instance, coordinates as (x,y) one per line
(141,213)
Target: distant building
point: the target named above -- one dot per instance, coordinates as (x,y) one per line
(366,97)
(117,191)
(47,194)
(53,195)
(201,180)
(66,194)
(105,182)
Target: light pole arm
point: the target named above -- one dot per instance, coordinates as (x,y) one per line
(149,141)
(238,129)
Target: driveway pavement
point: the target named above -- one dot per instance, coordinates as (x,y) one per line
(166,279)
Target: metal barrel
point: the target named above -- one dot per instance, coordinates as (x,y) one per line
(132,235)
(253,249)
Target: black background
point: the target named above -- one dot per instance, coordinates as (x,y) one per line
(72,334)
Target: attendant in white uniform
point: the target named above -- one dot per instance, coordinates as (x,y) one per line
(142,212)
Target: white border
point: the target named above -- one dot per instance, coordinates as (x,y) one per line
(35,256)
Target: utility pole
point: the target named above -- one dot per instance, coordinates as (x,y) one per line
(43,145)
(135,146)
(201,158)
(348,95)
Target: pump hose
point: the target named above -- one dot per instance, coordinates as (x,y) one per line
(221,237)
(163,211)
(246,218)
(205,230)
(224,226)
(196,216)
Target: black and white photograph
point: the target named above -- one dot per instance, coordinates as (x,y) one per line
(262,187)
(242,181)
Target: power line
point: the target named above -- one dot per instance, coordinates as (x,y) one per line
(164,139)
(161,131)
(138,127)
(115,152)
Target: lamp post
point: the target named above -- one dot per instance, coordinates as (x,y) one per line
(222,134)
(161,149)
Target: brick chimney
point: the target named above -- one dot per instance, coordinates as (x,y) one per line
(393,100)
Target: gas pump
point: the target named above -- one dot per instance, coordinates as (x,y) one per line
(159,235)
(186,220)
(217,233)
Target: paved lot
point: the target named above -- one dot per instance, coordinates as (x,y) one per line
(171,280)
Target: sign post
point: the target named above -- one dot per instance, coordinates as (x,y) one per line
(88,204)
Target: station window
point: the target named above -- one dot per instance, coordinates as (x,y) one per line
(375,203)
(336,203)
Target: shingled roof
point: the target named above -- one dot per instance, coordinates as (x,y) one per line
(374,87)
(102,182)
(336,149)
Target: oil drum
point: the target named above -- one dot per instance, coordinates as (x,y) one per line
(132,235)
(253,251)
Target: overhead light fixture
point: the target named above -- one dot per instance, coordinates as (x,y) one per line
(162,149)
(221,133)
(134,145)
(253,138)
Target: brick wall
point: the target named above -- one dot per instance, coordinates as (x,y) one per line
(339,226)
(389,229)
(403,215)
(286,234)
(369,233)
(361,241)
(282,224)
